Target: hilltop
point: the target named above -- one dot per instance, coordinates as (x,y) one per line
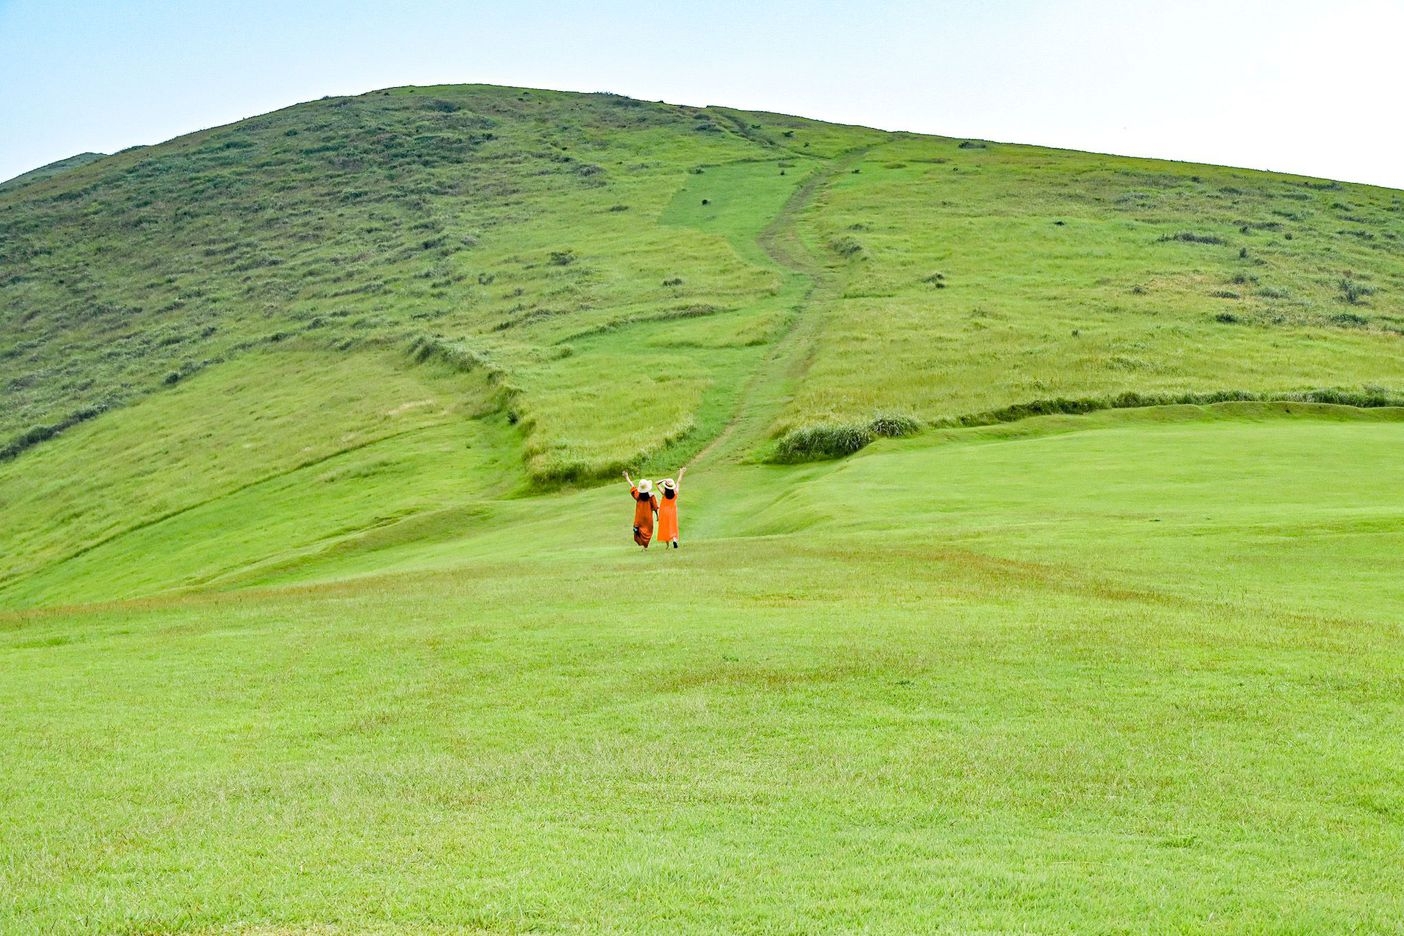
(597,245)
(50,170)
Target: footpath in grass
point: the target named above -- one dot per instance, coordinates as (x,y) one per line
(1015,679)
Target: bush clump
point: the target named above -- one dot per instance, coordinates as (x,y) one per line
(1369,397)
(895,425)
(425,349)
(1366,398)
(37,434)
(817,443)
(846,246)
(1352,291)
(835,440)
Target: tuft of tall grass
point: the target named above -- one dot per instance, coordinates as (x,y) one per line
(1190,237)
(817,443)
(835,440)
(1353,291)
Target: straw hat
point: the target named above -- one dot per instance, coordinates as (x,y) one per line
(645,486)
(668,484)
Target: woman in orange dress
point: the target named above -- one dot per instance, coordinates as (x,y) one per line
(645,506)
(668,510)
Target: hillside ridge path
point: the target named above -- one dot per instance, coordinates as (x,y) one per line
(771,385)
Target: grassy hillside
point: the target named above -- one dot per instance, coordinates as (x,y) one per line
(981,276)
(634,261)
(49,171)
(521,227)
(317,615)
(637,283)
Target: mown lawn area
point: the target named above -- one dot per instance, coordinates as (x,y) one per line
(1130,672)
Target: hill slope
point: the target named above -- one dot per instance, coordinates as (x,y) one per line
(593,282)
(50,170)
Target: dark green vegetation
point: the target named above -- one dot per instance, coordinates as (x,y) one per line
(1042,533)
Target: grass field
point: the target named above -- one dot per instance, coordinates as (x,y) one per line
(319,612)
(1119,673)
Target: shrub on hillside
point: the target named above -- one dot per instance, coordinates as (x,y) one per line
(817,443)
(835,440)
(37,434)
(1353,291)
(1368,397)
(465,360)
(895,425)
(848,247)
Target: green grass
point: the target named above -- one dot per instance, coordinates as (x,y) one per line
(286,458)
(316,617)
(1120,672)
(995,276)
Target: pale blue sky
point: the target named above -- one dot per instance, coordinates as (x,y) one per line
(1290,85)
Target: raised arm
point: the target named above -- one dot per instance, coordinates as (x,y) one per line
(629,479)
(681,471)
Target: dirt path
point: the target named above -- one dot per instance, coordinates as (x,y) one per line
(775,379)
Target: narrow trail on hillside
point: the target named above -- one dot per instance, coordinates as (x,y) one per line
(773,382)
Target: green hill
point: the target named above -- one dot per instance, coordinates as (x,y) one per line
(625,284)
(640,251)
(319,612)
(49,171)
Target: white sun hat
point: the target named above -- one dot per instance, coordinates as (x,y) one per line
(668,484)
(645,486)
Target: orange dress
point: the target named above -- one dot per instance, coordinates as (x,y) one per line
(667,518)
(644,506)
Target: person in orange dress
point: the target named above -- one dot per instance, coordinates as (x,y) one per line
(668,510)
(645,506)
